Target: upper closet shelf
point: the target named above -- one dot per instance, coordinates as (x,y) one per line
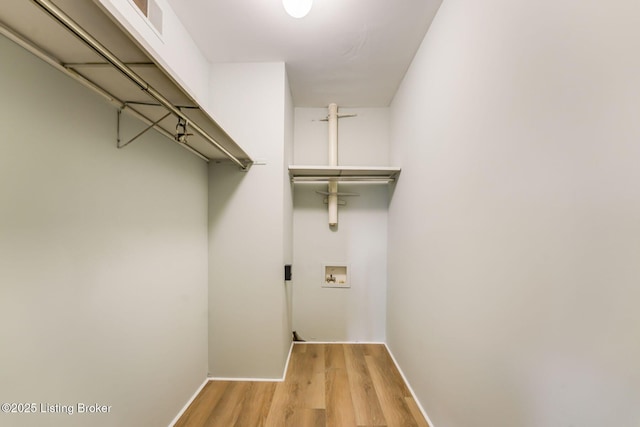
(79,39)
(380,174)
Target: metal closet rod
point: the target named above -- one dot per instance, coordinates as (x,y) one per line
(94,44)
(55,63)
(342,179)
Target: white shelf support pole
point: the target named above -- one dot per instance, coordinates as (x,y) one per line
(333,161)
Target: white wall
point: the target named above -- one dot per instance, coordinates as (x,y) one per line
(249,332)
(513,232)
(356,313)
(103,266)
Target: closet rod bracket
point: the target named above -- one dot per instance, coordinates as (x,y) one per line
(120,144)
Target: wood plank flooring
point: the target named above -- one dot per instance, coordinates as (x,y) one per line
(327,385)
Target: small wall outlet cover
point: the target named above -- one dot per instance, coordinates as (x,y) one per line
(335,275)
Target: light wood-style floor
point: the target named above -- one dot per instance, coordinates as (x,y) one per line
(327,385)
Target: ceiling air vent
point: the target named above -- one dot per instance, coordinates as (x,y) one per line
(155,15)
(142,5)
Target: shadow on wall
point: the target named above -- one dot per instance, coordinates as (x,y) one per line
(392,189)
(230,177)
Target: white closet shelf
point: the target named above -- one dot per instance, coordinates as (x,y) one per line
(381,174)
(83,42)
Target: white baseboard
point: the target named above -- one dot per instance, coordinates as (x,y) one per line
(286,365)
(395,362)
(284,374)
(413,394)
(253,380)
(340,342)
(278,380)
(184,408)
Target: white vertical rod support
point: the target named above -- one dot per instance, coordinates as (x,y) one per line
(332,200)
(333,135)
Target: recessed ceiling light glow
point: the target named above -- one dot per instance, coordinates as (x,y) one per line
(297,8)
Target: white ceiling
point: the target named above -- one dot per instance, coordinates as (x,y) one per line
(351,52)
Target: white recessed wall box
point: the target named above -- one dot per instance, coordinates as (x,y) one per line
(335,275)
